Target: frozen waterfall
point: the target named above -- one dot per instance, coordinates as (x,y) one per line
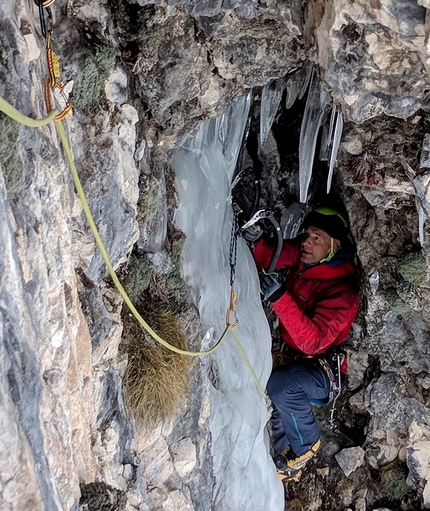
(245,475)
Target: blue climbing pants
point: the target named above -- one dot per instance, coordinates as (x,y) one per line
(293,389)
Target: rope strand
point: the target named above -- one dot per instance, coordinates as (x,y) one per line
(14,114)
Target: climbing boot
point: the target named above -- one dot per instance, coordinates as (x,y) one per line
(290,466)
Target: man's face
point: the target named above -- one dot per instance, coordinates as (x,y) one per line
(315,245)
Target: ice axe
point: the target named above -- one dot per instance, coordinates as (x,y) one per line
(267,214)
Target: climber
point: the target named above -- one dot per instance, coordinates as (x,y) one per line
(314,293)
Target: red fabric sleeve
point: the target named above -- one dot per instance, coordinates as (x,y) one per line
(289,255)
(333,315)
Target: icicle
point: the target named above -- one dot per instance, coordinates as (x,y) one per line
(297,84)
(332,119)
(270,99)
(425,153)
(421,220)
(316,105)
(292,87)
(306,76)
(326,136)
(230,128)
(223,132)
(337,135)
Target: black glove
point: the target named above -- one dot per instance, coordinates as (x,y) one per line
(252,233)
(272,286)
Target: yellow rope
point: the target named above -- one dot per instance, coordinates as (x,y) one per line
(251,369)
(14,114)
(27,121)
(106,259)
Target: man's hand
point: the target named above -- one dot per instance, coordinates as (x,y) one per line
(272,286)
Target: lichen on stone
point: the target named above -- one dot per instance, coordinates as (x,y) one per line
(99,496)
(147,205)
(91,79)
(178,289)
(393,482)
(413,268)
(10,161)
(137,275)
(398,305)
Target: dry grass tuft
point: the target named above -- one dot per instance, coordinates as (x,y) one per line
(156,379)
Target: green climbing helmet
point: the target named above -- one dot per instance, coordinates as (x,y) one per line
(329,220)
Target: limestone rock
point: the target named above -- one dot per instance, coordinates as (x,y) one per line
(350,459)
(349,42)
(418,456)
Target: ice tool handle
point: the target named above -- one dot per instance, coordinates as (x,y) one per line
(260,215)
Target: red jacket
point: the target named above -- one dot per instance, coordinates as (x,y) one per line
(321,300)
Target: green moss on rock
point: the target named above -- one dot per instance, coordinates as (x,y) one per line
(393,482)
(90,81)
(137,275)
(178,289)
(147,205)
(413,268)
(398,305)
(99,496)
(9,157)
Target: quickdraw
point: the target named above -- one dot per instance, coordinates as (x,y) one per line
(53,82)
(335,379)
(232,310)
(45,4)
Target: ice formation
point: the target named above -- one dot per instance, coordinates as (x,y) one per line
(337,135)
(421,220)
(245,475)
(326,136)
(270,99)
(315,110)
(297,84)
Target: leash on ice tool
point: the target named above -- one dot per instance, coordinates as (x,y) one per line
(259,215)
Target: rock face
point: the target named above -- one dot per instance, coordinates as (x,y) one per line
(143,75)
